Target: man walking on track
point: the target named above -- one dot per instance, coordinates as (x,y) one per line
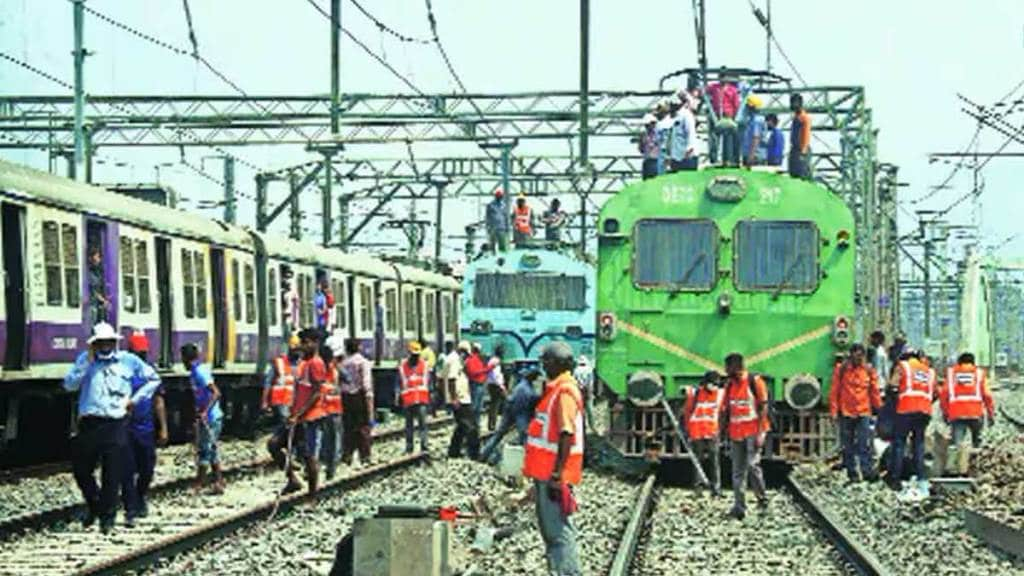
(746,417)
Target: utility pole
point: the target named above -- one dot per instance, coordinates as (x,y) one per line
(79,55)
(229,189)
(343,201)
(438,214)
(327,199)
(261,203)
(584,83)
(335,63)
(295,217)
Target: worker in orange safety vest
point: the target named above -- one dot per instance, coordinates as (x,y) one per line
(853,398)
(913,383)
(279,388)
(333,352)
(702,413)
(965,399)
(554,457)
(415,395)
(746,412)
(522,222)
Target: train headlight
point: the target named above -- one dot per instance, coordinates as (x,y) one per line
(610,226)
(724,303)
(802,392)
(606,325)
(644,388)
(841,331)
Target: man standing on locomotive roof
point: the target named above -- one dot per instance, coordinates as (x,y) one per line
(498,222)
(105,377)
(746,417)
(702,414)
(554,457)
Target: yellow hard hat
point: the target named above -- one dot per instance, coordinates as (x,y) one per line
(415,347)
(754,101)
(293,341)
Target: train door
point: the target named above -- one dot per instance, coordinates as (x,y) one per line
(220,309)
(165,355)
(16,351)
(101,258)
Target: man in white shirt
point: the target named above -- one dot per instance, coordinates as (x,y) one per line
(457,395)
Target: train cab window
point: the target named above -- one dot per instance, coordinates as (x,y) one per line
(69,245)
(675,254)
(128,297)
(391,310)
(142,276)
(272,292)
(340,302)
(777,256)
(429,314)
(52,261)
(365,307)
(236,290)
(250,295)
(409,311)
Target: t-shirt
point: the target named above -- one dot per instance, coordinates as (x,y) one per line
(202,391)
(800,132)
(314,373)
(452,370)
(142,411)
(320,302)
(755,128)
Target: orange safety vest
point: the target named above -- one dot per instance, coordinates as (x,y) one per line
(414,383)
(330,393)
(707,407)
(282,389)
(522,220)
(964,385)
(542,436)
(917,388)
(743,418)
(317,411)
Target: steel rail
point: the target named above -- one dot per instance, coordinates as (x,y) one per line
(194,537)
(995,533)
(623,561)
(862,560)
(37,520)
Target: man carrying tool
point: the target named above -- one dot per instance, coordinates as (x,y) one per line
(415,395)
(746,417)
(209,418)
(279,388)
(104,376)
(306,412)
(965,399)
(702,413)
(554,458)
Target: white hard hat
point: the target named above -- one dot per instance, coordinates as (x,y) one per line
(649,118)
(582,360)
(103,331)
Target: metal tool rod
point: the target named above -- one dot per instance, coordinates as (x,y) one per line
(686,444)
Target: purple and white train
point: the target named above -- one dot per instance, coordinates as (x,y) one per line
(178,277)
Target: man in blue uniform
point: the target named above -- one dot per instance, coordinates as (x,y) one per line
(209,418)
(104,377)
(143,438)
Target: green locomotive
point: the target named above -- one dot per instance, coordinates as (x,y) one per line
(695,265)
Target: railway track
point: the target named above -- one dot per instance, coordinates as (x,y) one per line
(181,521)
(64,513)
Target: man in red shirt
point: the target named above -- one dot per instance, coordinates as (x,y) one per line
(745,419)
(307,410)
(852,399)
(476,370)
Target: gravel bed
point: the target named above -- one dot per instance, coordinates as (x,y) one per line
(691,534)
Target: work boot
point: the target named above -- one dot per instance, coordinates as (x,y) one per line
(291,487)
(88,518)
(143,510)
(129,519)
(107,524)
(737,514)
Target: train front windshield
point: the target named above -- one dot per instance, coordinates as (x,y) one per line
(776,256)
(530,291)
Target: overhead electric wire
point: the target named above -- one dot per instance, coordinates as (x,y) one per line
(387,29)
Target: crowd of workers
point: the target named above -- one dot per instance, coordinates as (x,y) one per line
(521,223)
(739,133)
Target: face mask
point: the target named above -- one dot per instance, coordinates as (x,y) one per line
(105,355)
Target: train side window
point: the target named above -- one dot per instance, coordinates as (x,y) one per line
(200,270)
(776,256)
(272,291)
(449,314)
(675,254)
(69,242)
(429,314)
(391,310)
(250,295)
(236,290)
(340,303)
(52,260)
(188,283)
(306,299)
(142,275)
(127,275)
(365,308)
(409,311)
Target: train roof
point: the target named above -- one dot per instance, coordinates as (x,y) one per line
(288,249)
(542,260)
(64,193)
(427,278)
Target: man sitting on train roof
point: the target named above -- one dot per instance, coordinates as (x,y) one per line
(104,375)
(498,222)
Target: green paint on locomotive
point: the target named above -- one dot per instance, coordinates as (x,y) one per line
(680,334)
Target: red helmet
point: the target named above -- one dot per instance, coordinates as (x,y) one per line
(499,193)
(137,342)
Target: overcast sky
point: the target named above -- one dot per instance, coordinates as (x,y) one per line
(912,56)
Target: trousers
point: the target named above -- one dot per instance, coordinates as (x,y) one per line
(913,425)
(496,395)
(707,452)
(415,415)
(961,428)
(139,463)
(102,441)
(855,435)
(356,426)
(467,430)
(558,532)
(746,463)
(330,446)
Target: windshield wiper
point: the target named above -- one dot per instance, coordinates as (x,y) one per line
(787,277)
(693,266)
